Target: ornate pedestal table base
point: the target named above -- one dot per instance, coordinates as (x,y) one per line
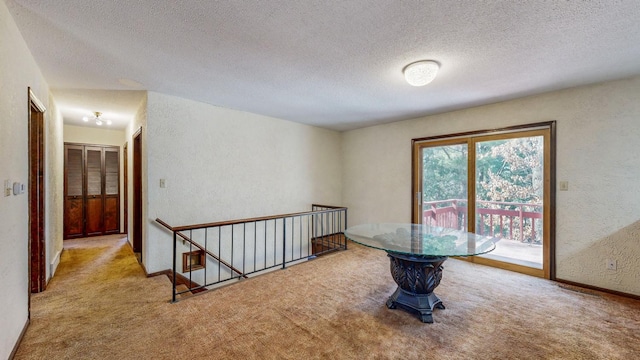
(417,277)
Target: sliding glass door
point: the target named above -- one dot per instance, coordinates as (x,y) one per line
(444,182)
(497,185)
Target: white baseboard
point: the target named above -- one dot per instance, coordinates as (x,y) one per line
(54,263)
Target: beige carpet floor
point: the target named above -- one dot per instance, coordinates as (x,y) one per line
(100,305)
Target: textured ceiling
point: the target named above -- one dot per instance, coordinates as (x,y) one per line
(335,64)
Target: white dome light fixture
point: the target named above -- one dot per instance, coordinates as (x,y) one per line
(96,118)
(420,73)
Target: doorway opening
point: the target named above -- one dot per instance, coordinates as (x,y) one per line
(137,195)
(37,254)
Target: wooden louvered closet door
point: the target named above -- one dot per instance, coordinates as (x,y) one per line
(92,199)
(73,191)
(94,209)
(111,191)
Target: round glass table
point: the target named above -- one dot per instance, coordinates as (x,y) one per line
(417,253)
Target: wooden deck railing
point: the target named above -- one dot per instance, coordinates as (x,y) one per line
(516,221)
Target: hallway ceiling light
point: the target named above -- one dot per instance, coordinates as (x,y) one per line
(96,118)
(421,73)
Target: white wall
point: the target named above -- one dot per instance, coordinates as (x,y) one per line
(97,136)
(222,164)
(18,71)
(90,135)
(597,153)
(54,187)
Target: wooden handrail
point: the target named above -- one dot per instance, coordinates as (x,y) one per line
(480,201)
(186,238)
(262,218)
(327,206)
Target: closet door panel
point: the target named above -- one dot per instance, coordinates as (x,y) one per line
(111,218)
(94,215)
(94,202)
(112,193)
(75,221)
(73,191)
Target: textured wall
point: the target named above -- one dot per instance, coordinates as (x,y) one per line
(222,164)
(18,71)
(54,186)
(598,134)
(89,135)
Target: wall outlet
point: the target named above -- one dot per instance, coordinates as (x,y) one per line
(612,264)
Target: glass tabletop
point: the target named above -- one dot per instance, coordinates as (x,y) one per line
(417,239)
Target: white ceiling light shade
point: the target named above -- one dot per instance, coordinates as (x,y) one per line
(96,118)
(421,73)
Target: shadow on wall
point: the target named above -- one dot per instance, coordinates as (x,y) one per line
(591,265)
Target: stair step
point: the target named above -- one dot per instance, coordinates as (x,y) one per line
(182,287)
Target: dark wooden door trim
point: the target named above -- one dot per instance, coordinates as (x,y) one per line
(37,244)
(137,193)
(125,171)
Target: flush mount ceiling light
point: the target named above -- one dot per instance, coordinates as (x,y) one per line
(421,73)
(97,119)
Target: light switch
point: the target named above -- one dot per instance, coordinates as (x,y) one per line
(564,185)
(18,188)
(163,183)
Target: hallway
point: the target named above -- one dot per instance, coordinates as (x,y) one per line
(98,302)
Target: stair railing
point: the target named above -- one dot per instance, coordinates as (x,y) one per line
(214,253)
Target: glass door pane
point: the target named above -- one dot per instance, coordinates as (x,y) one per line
(509,189)
(444,185)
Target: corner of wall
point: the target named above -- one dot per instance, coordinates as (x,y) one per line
(54,185)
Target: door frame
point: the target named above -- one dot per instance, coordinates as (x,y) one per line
(137,194)
(125,198)
(549,266)
(37,158)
